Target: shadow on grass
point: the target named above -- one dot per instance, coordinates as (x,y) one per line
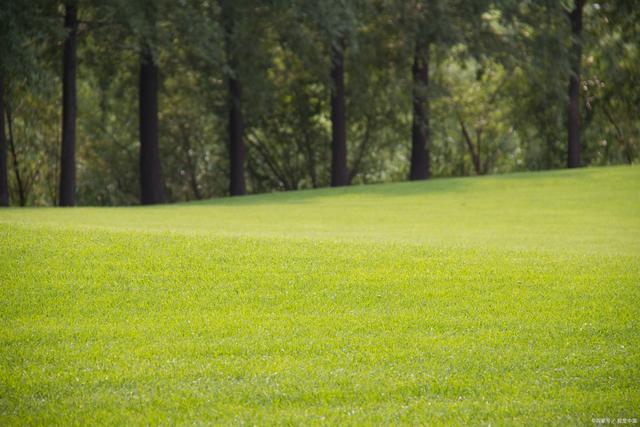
(401,189)
(397,189)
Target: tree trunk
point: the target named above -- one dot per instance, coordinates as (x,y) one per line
(4,182)
(236,139)
(475,153)
(628,151)
(191,164)
(362,149)
(237,185)
(420,167)
(311,159)
(573,110)
(339,172)
(151,184)
(68,156)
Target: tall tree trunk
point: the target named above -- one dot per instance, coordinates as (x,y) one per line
(420,166)
(473,150)
(339,172)
(4,182)
(68,156)
(573,109)
(237,185)
(236,139)
(151,184)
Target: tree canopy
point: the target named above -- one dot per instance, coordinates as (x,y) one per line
(174,101)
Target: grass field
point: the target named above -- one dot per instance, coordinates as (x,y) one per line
(499,300)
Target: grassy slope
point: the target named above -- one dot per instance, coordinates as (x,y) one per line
(509,299)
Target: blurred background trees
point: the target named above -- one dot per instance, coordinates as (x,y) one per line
(183,100)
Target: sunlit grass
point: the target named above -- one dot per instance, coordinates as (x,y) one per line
(502,300)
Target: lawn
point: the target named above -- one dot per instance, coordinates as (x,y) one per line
(498,300)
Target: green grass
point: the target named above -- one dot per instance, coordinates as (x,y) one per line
(498,300)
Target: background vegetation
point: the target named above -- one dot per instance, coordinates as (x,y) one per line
(246,91)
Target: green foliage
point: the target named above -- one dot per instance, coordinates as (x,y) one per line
(611,84)
(497,300)
(502,67)
(476,99)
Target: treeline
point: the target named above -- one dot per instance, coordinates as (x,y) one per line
(130,101)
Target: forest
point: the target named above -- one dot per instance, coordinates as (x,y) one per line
(121,102)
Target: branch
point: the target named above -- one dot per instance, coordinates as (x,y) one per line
(355,169)
(271,164)
(474,155)
(627,146)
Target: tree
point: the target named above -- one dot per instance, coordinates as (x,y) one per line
(433,24)
(68,152)
(246,27)
(141,27)
(339,172)
(150,77)
(151,182)
(24,27)
(236,121)
(610,84)
(420,165)
(573,108)
(140,21)
(334,23)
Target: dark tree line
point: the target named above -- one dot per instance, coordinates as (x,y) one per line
(299,93)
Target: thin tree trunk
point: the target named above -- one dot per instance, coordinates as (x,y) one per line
(362,149)
(194,187)
(191,165)
(270,161)
(339,172)
(619,135)
(420,166)
(4,182)
(311,160)
(475,155)
(68,156)
(573,110)
(151,184)
(22,197)
(236,139)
